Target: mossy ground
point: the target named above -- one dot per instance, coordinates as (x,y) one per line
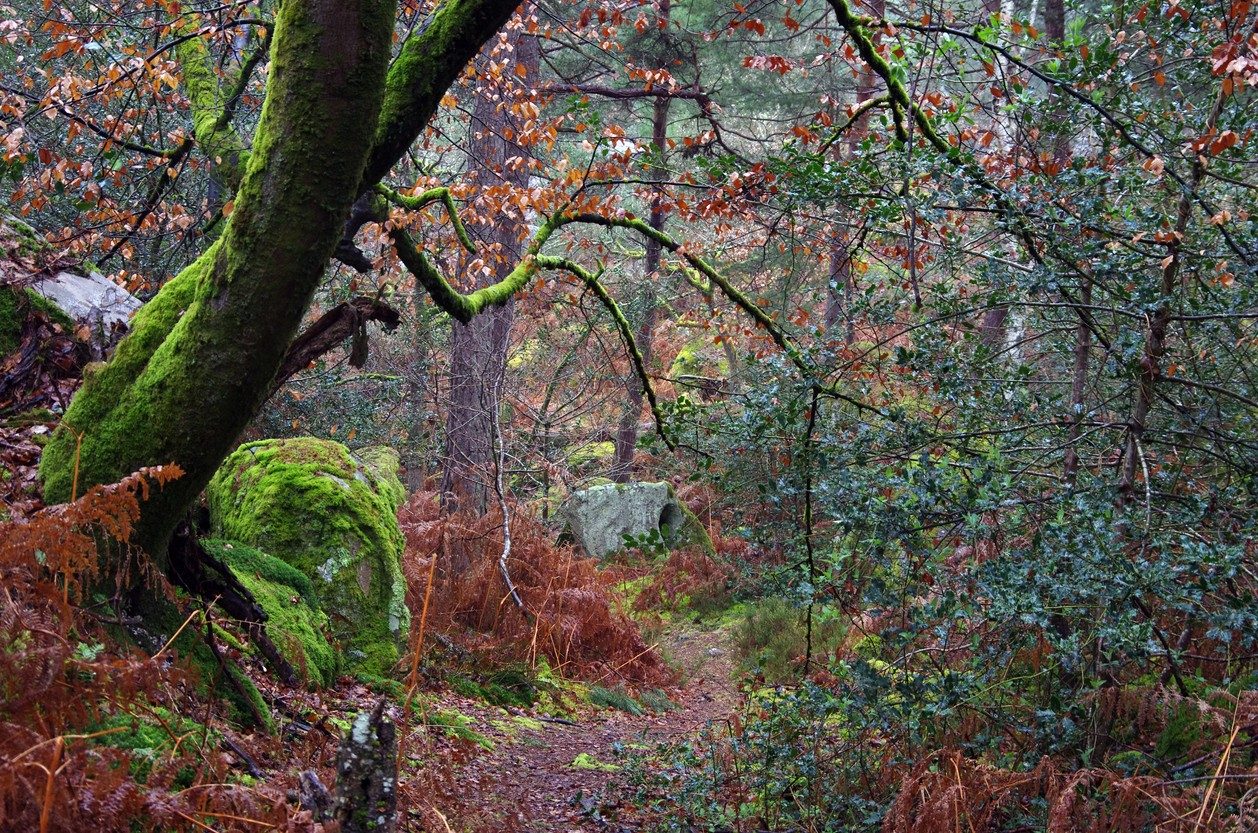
(149,737)
(331,515)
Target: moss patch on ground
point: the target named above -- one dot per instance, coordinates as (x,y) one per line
(149,737)
(331,515)
(587,761)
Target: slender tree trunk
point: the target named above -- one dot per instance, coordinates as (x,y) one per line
(201,355)
(1159,328)
(626,441)
(1055,30)
(478,350)
(841,287)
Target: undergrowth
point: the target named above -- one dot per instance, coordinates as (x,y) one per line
(566,617)
(91,732)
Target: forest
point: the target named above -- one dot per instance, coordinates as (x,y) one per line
(737,416)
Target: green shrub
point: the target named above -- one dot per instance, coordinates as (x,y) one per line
(615,698)
(772,639)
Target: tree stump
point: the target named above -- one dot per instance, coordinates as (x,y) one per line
(366,775)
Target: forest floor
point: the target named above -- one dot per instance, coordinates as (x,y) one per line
(561,778)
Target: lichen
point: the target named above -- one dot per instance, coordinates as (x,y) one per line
(331,516)
(294,622)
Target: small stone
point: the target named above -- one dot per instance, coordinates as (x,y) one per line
(715,652)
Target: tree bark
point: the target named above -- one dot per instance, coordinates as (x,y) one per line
(201,356)
(478,349)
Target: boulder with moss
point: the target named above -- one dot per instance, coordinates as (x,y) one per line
(602,518)
(294,621)
(331,514)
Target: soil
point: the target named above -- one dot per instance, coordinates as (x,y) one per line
(529,783)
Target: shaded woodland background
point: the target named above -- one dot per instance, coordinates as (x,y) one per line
(939,317)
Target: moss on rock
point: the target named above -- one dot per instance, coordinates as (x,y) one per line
(331,515)
(294,622)
(682,528)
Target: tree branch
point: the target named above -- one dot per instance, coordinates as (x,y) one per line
(332,329)
(591,280)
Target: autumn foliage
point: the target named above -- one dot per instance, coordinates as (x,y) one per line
(568,617)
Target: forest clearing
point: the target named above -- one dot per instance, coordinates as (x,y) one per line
(667,416)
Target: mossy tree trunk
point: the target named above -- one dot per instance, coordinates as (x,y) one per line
(201,355)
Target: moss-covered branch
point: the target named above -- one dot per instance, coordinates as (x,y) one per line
(465,307)
(211,112)
(902,102)
(591,280)
(415,203)
(430,61)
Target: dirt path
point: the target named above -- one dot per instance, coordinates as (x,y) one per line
(532,780)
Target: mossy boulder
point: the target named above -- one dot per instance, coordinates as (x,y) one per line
(331,514)
(294,621)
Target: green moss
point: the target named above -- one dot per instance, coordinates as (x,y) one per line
(217,140)
(458,725)
(150,737)
(246,559)
(48,308)
(507,687)
(29,241)
(528,723)
(14,306)
(10,321)
(587,761)
(699,358)
(294,621)
(332,517)
(35,416)
(162,618)
(598,453)
(682,528)
(118,451)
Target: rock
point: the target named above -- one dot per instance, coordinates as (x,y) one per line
(600,517)
(715,652)
(294,621)
(94,300)
(333,516)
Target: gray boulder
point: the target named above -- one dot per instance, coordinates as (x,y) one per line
(600,517)
(94,300)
